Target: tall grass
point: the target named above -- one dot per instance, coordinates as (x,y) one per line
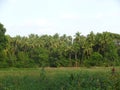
(60,79)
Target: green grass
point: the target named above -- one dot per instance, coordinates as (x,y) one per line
(95,78)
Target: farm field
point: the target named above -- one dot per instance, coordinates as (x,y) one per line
(69,78)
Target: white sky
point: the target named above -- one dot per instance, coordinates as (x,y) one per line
(23,17)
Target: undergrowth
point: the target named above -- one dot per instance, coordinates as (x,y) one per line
(62,80)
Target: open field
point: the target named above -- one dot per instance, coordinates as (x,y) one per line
(95,78)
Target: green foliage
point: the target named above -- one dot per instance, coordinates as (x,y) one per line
(3,60)
(22,60)
(3,39)
(96,59)
(63,51)
(60,79)
(11,59)
(101,49)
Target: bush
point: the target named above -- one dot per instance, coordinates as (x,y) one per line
(96,59)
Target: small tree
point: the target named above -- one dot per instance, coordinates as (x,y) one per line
(95,59)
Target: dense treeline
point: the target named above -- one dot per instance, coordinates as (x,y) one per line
(101,49)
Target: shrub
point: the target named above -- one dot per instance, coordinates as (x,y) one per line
(96,59)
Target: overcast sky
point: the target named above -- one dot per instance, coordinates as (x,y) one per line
(23,17)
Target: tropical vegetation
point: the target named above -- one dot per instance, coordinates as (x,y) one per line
(100,49)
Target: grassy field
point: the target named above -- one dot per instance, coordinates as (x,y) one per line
(95,78)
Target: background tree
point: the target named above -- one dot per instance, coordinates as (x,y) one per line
(3,39)
(3,45)
(59,51)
